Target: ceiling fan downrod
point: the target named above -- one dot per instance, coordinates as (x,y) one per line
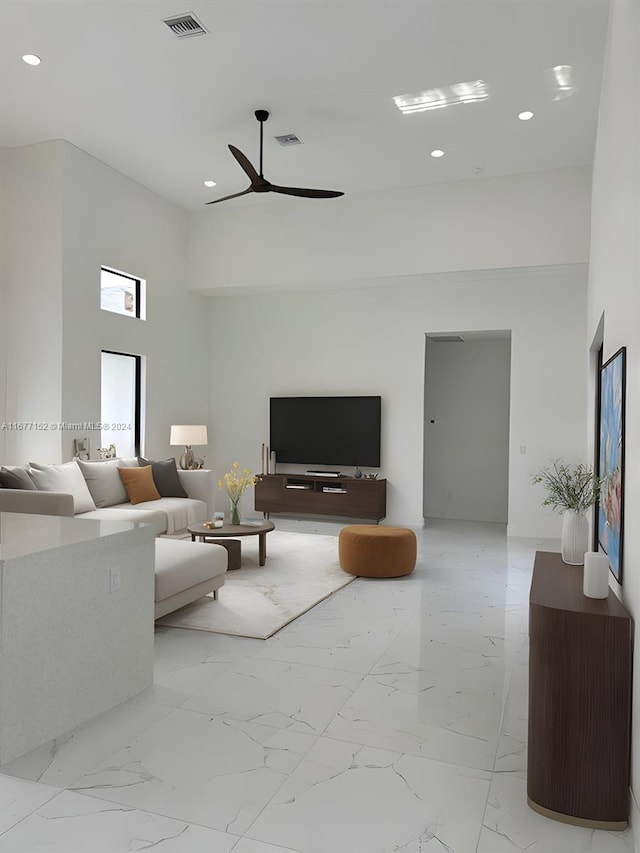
(262,116)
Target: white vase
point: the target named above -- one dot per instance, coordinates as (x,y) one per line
(575,537)
(595,583)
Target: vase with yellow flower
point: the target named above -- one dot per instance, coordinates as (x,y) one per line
(234,483)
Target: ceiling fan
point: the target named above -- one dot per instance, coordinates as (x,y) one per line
(259,184)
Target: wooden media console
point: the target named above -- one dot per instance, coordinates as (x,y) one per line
(303,493)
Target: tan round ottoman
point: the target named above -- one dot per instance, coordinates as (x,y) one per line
(375,551)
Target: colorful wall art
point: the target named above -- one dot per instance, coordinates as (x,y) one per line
(611,459)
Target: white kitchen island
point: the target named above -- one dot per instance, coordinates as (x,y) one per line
(76,623)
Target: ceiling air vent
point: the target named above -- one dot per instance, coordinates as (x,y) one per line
(185,26)
(447,339)
(288,139)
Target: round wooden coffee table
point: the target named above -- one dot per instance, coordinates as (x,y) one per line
(235,531)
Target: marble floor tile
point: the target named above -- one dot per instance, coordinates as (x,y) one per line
(18,798)
(512,747)
(503,622)
(62,761)
(215,772)
(249,845)
(174,687)
(186,661)
(442,591)
(176,648)
(510,826)
(348,642)
(391,718)
(71,823)
(284,695)
(382,593)
(511,755)
(346,798)
(426,643)
(443,717)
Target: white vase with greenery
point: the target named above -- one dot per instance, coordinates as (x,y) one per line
(572,490)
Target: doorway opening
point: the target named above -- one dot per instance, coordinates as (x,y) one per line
(466,425)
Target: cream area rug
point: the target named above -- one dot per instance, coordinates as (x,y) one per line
(302,569)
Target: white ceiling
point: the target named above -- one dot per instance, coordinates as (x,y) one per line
(117,83)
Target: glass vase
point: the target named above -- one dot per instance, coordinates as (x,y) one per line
(234,510)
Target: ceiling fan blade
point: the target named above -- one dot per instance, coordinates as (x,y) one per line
(245,164)
(235,195)
(305,193)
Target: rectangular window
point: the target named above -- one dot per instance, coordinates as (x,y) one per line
(122,293)
(120,406)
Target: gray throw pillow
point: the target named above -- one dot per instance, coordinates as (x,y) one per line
(104,482)
(63,478)
(165,476)
(15,477)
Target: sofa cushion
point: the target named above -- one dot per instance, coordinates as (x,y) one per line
(126,512)
(168,514)
(180,565)
(104,482)
(15,477)
(63,478)
(139,484)
(179,512)
(165,476)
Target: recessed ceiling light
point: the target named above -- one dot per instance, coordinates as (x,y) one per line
(31,59)
(209,183)
(437,152)
(446,96)
(561,81)
(525,115)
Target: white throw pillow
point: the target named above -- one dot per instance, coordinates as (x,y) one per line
(104,482)
(63,478)
(129,463)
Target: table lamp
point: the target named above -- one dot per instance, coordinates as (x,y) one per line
(189,434)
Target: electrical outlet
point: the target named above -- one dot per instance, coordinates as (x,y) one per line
(114,580)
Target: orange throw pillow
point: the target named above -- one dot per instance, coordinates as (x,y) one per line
(139,484)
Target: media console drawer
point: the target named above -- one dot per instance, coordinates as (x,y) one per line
(341,496)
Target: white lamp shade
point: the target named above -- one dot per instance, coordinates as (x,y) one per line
(188,434)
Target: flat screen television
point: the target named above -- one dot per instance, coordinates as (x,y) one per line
(326,430)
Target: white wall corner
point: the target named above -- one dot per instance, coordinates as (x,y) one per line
(634,821)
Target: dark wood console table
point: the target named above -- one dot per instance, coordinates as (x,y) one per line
(579,699)
(304,493)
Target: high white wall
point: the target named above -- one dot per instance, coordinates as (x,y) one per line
(32,300)
(614,279)
(4,214)
(110,220)
(466,416)
(371,340)
(493,223)
(69,214)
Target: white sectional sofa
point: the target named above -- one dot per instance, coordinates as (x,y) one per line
(184,571)
(98,492)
